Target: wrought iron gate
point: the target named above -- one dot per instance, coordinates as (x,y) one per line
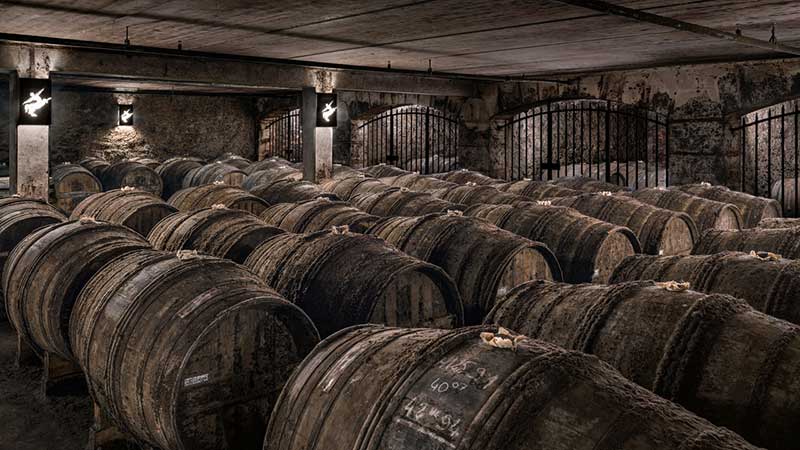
(601,139)
(283,136)
(768,154)
(415,138)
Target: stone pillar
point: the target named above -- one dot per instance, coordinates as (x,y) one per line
(317,142)
(28,154)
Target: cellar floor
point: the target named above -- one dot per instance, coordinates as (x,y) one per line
(28,422)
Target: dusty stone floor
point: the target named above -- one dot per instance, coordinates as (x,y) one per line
(28,422)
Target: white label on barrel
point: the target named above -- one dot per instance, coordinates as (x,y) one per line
(194,381)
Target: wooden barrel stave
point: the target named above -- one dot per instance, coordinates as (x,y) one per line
(436,389)
(347,188)
(783,241)
(712,354)
(397,202)
(71,184)
(779,222)
(417,182)
(95,165)
(318,215)
(290,191)
(587,184)
(536,190)
(268,163)
(268,176)
(465,176)
(343,279)
(137,210)
(199,197)
(173,171)
(383,170)
(214,173)
(132,174)
(707,214)
(753,208)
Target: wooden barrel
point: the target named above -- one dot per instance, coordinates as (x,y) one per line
(233,159)
(290,191)
(137,210)
(478,195)
(390,388)
(383,170)
(484,260)
(342,279)
(434,164)
(712,354)
(128,173)
(149,162)
(753,208)
(187,352)
(318,215)
(267,176)
(707,214)
(660,231)
(638,175)
(20,217)
(587,249)
(342,171)
(347,188)
(216,231)
(173,171)
(71,183)
(95,165)
(769,285)
(586,184)
(536,190)
(47,270)
(212,173)
(266,164)
(783,241)
(465,176)
(779,222)
(199,197)
(417,182)
(396,202)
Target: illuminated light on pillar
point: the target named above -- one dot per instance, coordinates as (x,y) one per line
(125,115)
(35,104)
(327,105)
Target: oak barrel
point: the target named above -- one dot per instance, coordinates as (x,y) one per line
(187,352)
(318,215)
(47,270)
(212,173)
(395,202)
(173,171)
(383,170)
(95,165)
(71,183)
(587,249)
(269,163)
(417,182)
(233,159)
(217,231)
(290,191)
(484,260)
(587,184)
(342,171)
(769,284)
(712,354)
(779,222)
(200,197)
(753,208)
(783,241)
(707,214)
(137,210)
(149,162)
(660,231)
(266,176)
(341,279)
(347,188)
(129,173)
(373,387)
(536,190)
(478,195)
(464,176)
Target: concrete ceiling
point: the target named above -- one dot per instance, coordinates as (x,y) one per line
(480,37)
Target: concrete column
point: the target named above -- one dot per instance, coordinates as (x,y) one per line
(28,154)
(13,111)
(317,142)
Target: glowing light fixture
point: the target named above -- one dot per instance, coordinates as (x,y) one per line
(126,115)
(327,105)
(35,101)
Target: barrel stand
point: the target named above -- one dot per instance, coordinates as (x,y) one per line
(105,435)
(58,374)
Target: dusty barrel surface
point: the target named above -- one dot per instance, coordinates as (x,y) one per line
(71,183)
(318,215)
(396,202)
(135,209)
(417,182)
(47,270)
(233,159)
(383,170)
(464,176)
(347,188)
(200,197)
(712,354)
(753,208)
(484,260)
(437,389)
(187,352)
(344,279)
(478,195)
(660,231)
(707,214)
(149,162)
(19,217)
(217,231)
(342,171)
(587,184)
(783,241)
(95,165)
(768,284)
(268,163)
(290,191)
(128,173)
(213,173)
(779,222)
(587,249)
(536,190)
(173,171)
(267,176)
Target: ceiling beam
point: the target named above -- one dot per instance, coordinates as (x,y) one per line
(609,8)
